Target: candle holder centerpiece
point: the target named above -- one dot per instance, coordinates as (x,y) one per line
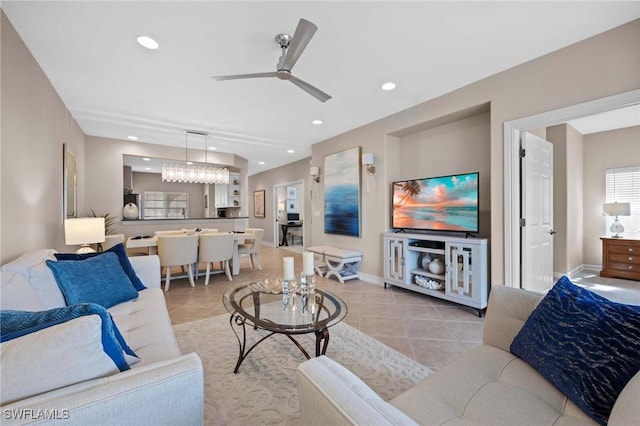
(288,276)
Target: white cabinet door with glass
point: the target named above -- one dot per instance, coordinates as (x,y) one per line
(395,249)
(228,194)
(221,195)
(450,268)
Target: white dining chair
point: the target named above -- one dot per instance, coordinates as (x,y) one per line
(174,232)
(251,246)
(216,248)
(178,250)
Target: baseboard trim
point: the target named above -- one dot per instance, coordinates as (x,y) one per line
(578,270)
(372,279)
(592,268)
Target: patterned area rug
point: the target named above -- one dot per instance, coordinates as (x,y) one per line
(264,390)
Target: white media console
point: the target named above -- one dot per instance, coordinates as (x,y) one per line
(463,279)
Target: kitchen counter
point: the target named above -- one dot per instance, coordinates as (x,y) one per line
(135,227)
(184,219)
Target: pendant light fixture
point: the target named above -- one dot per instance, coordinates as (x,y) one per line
(191,173)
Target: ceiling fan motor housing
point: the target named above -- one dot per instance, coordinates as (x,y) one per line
(283,74)
(283,40)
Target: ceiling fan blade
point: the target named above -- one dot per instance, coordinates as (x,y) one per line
(304,32)
(239,76)
(313,91)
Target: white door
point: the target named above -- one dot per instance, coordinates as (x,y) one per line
(537,213)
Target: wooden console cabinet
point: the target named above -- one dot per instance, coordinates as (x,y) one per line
(620,258)
(463,278)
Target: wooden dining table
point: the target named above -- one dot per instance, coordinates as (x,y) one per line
(151,244)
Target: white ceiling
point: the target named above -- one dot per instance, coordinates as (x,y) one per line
(115,88)
(609,120)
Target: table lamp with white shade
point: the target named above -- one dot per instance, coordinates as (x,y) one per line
(84,231)
(616,209)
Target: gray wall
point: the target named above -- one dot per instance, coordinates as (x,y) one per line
(35,124)
(297,171)
(458,147)
(103,175)
(567,197)
(597,67)
(605,150)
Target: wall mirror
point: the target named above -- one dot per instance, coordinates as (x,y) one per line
(69,184)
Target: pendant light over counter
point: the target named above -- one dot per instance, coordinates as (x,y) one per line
(189,173)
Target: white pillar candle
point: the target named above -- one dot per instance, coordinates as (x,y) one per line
(307,263)
(287,263)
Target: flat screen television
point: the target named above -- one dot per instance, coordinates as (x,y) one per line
(443,203)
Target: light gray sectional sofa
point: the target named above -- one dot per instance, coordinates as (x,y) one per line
(486,386)
(164,388)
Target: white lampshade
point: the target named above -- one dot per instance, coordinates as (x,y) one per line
(84,231)
(314,171)
(616,209)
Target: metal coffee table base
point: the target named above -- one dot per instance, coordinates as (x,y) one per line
(236,321)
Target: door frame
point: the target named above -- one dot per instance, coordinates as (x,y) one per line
(512,130)
(276,225)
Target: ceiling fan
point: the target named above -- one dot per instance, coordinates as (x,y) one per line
(292,48)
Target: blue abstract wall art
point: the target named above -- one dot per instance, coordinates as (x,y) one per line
(342,193)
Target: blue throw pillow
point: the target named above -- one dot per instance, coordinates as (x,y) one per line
(14,324)
(120,251)
(584,344)
(98,279)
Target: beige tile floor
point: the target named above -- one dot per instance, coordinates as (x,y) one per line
(429,330)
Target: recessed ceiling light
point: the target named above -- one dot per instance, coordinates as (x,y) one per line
(290,151)
(260,162)
(212,148)
(148,42)
(316,122)
(146,159)
(147,168)
(132,138)
(389,85)
(189,163)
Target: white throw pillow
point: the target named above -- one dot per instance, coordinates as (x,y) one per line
(17,294)
(53,358)
(33,267)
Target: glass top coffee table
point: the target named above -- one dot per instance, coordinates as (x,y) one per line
(262,305)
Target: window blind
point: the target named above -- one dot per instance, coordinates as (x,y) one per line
(622,185)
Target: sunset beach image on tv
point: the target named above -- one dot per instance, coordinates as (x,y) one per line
(445,203)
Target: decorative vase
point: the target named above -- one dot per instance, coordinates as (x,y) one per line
(425,260)
(130,211)
(436,266)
